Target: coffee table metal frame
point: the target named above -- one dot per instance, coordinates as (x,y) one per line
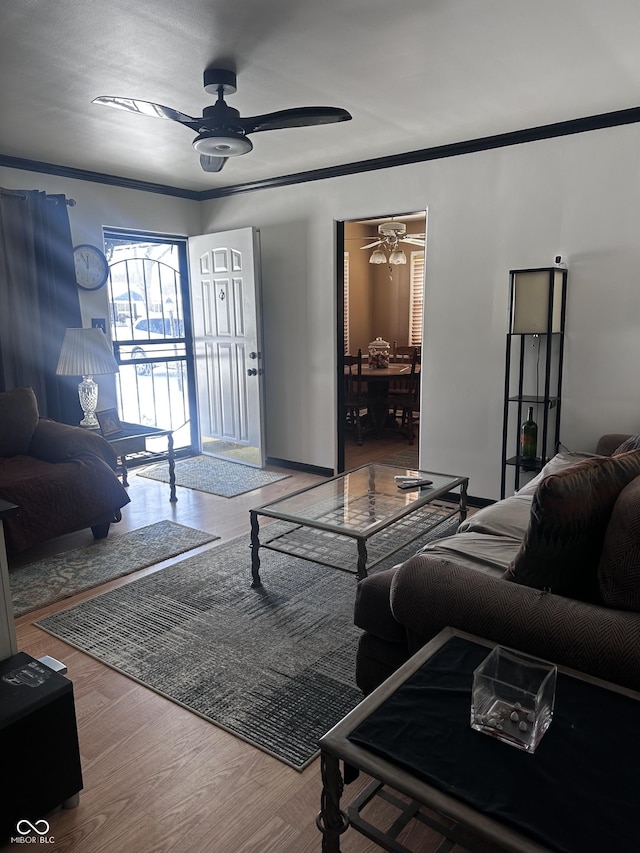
(371,501)
(335,746)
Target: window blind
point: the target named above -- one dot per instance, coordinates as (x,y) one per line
(416,298)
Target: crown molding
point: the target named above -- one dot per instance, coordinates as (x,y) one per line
(96,177)
(485,143)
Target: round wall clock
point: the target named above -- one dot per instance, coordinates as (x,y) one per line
(92,267)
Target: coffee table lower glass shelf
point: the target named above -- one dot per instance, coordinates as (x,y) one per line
(576,794)
(365,506)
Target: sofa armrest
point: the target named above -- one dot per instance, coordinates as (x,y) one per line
(429,594)
(609,442)
(56,442)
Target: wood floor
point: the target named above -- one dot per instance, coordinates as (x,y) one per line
(156,776)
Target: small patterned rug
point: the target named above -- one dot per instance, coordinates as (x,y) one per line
(63,575)
(216,476)
(274,666)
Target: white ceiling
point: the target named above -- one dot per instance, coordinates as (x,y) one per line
(413,73)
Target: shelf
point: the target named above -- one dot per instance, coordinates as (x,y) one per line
(532,334)
(532,465)
(550,402)
(534,356)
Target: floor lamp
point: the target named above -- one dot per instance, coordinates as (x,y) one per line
(86,353)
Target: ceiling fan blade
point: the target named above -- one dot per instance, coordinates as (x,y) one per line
(415,241)
(146,108)
(297,117)
(371,245)
(212,164)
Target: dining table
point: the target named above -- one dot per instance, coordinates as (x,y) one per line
(377,381)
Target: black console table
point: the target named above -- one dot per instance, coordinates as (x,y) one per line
(39,745)
(133,439)
(8,643)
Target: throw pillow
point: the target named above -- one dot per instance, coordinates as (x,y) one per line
(619,568)
(570,512)
(632,443)
(564,459)
(18,419)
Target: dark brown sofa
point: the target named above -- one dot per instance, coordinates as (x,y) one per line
(62,477)
(464,581)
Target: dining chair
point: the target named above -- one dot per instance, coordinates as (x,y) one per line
(404,354)
(403,399)
(354,394)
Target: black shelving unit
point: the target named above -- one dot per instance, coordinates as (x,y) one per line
(533,366)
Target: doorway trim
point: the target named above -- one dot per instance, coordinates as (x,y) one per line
(340,318)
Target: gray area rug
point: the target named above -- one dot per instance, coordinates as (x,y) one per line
(274,666)
(216,476)
(63,575)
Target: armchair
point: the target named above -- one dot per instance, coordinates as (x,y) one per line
(63,478)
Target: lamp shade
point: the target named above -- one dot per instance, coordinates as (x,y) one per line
(537,297)
(378,257)
(397,257)
(85,352)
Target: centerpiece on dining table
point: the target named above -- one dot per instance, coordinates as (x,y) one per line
(379,353)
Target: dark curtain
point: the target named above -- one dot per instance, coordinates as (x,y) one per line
(38,299)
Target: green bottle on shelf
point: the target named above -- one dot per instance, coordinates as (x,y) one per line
(528,440)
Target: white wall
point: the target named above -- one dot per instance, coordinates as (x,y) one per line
(488,213)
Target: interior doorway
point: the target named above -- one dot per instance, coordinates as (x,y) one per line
(381,265)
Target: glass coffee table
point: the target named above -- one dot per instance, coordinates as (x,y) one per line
(356,505)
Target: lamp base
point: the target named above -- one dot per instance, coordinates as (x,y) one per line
(88,394)
(87,423)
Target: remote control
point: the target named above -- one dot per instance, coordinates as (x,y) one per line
(414,484)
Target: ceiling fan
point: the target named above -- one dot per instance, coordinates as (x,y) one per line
(222,132)
(392,233)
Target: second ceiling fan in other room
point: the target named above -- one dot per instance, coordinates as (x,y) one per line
(222,132)
(391,234)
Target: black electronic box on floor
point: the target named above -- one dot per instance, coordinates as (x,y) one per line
(38,745)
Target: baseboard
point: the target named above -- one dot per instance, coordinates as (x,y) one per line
(476,503)
(300,466)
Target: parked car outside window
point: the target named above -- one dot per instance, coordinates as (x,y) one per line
(153,329)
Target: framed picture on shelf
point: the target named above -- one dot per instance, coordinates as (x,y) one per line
(109,422)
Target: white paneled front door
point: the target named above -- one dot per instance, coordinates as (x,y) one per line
(225,300)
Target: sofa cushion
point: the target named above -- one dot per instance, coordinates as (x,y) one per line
(631,443)
(569,517)
(508,517)
(483,552)
(619,568)
(18,419)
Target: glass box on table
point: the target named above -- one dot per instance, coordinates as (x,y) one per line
(513,696)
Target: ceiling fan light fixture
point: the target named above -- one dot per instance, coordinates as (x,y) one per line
(378,257)
(397,257)
(221,145)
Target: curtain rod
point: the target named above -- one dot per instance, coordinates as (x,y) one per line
(70,202)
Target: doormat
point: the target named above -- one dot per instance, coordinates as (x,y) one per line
(63,575)
(215,476)
(274,666)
